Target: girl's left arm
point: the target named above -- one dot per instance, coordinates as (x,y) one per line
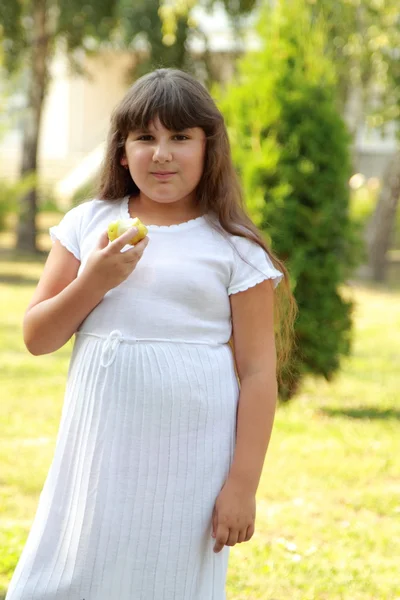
(255,356)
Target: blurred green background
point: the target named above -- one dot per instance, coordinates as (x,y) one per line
(310,94)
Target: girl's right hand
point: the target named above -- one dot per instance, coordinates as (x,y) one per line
(107,266)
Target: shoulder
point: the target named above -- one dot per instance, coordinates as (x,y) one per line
(234,247)
(86,209)
(251,264)
(227,239)
(88,213)
(80,221)
(244,244)
(77,213)
(244,247)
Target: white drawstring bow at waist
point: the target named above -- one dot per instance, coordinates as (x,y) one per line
(113,340)
(110,348)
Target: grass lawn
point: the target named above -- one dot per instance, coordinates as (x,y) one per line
(328,506)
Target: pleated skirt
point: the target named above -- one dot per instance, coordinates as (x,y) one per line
(144,446)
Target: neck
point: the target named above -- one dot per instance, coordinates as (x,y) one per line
(156,213)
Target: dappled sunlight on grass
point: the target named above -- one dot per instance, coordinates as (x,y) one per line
(329,498)
(328,505)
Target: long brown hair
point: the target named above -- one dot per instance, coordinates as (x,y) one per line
(181,102)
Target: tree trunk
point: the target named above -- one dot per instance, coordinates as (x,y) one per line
(380,230)
(38,75)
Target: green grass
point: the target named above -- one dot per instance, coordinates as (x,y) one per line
(328,505)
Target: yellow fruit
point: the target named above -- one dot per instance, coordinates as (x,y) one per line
(117,228)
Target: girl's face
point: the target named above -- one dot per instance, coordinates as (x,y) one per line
(166,165)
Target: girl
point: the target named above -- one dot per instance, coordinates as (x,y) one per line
(164,431)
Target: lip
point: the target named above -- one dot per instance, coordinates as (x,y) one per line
(163,174)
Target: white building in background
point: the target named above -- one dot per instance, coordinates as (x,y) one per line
(75,115)
(77,111)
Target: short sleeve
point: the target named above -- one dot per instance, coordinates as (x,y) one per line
(247,275)
(68,231)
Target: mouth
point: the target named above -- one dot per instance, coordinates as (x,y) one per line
(163,174)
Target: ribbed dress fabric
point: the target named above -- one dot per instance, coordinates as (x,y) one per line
(146,436)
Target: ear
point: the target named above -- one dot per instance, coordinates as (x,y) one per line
(124,161)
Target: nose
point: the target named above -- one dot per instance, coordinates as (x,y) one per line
(162,153)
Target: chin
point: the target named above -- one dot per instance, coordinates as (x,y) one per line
(161,199)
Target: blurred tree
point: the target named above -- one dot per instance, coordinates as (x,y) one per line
(10,192)
(163,30)
(291,147)
(380,229)
(364,41)
(237,12)
(29,31)
(4,98)
(177,19)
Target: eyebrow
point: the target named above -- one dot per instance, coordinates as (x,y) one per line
(147,130)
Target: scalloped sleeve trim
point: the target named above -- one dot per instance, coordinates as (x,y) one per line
(276,276)
(251,265)
(56,235)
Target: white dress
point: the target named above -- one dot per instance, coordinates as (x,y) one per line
(147,431)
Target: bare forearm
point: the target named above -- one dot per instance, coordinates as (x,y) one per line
(255,419)
(51,323)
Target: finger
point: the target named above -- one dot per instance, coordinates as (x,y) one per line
(242,535)
(232,538)
(249,533)
(142,244)
(103,241)
(214,523)
(136,251)
(123,240)
(221,537)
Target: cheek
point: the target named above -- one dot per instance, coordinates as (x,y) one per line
(200,166)
(202,156)
(137,161)
(195,163)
